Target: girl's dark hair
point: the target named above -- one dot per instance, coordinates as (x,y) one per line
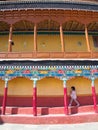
(73,88)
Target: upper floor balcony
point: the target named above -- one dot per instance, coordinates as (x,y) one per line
(61,37)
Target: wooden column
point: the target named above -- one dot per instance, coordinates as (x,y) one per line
(62,38)
(87,39)
(35,38)
(34,98)
(10,39)
(65,98)
(5,97)
(94,95)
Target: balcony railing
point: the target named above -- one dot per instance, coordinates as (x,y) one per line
(46,55)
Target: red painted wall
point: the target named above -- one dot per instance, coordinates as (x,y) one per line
(45,101)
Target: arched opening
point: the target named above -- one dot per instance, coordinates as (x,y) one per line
(50,92)
(4,29)
(2,85)
(23,36)
(73,25)
(20,92)
(48,37)
(83,89)
(93,26)
(74,35)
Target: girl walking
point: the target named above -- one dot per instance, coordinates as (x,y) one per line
(73,96)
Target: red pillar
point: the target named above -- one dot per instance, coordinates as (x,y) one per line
(5,98)
(65,98)
(94,96)
(34,99)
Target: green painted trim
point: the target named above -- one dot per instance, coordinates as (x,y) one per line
(49,33)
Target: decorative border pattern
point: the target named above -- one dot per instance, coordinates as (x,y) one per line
(37,72)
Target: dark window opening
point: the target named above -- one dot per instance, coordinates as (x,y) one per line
(95,40)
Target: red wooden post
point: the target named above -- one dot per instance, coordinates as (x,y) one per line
(5,98)
(94,95)
(34,99)
(65,98)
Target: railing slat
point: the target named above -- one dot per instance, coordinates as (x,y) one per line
(18,55)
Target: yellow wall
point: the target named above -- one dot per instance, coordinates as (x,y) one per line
(23,43)
(1,87)
(3,43)
(47,86)
(82,85)
(46,43)
(50,43)
(20,87)
(50,86)
(96,85)
(72,43)
(53,86)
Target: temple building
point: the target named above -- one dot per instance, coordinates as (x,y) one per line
(47,46)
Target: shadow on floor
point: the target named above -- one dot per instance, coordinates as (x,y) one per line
(45,111)
(73,110)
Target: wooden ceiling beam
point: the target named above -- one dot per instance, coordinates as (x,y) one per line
(55,15)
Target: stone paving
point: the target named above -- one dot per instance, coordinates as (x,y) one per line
(82,126)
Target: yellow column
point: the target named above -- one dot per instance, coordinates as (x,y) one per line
(35,37)
(87,39)
(10,39)
(62,38)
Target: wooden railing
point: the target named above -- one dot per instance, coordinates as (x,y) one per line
(41,55)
